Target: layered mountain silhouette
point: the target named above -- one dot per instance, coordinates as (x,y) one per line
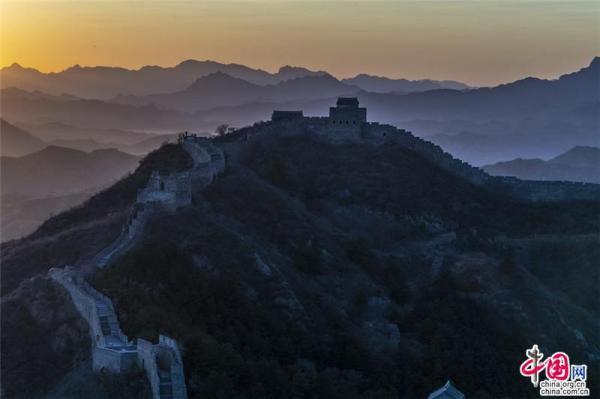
(381,84)
(44,183)
(523,119)
(89,139)
(37,108)
(222,90)
(108,82)
(53,131)
(15,142)
(58,170)
(578,164)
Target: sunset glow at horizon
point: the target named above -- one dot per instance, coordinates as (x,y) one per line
(479,43)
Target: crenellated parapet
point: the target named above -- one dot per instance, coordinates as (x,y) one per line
(164,367)
(112,350)
(170,192)
(167,193)
(175,190)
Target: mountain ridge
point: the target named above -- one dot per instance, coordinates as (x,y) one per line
(360,239)
(382,84)
(222,90)
(80,80)
(17,142)
(579,164)
(58,170)
(509,121)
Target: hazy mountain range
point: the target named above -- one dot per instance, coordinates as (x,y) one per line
(529,118)
(39,108)
(578,164)
(25,139)
(220,89)
(58,171)
(43,183)
(52,170)
(107,82)
(381,84)
(16,142)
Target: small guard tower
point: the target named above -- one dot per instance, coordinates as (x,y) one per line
(448,391)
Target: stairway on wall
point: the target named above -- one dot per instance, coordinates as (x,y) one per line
(99,312)
(109,325)
(93,306)
(165,384)
(208,162)
(133,226)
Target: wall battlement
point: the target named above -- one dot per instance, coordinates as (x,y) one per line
(167,193)
(112,350)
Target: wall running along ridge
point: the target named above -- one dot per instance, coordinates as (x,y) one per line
(111,349)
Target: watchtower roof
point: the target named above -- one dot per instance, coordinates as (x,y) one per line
(347,102)
(448,391)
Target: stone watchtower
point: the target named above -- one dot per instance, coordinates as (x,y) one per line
(347,112)
(346,118)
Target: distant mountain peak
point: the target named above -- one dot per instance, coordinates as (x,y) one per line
(194,63)
(383,84)
(286,68)
(217,76)
(288,72)
(580,154)
(595,62)
(298,69)
(217,79)
(325,78)
(15,65)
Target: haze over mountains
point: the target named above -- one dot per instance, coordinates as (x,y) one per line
(46,182)
(219,89)
(90,109)
(59,167)
(578,164)
(58,170)
(107,82)
(524,119)
(16,142)
(381,84)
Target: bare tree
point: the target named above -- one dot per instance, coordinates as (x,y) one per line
(222,129)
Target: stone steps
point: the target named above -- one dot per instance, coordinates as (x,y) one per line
(165,387)
(108,320)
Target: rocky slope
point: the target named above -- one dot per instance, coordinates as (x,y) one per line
(337,270)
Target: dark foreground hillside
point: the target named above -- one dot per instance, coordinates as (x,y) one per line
(311,269)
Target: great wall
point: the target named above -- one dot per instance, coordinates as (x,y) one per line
(348,122)
(162,362)
(111,349)
(167,193)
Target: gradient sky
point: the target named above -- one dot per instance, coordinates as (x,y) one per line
(478,42)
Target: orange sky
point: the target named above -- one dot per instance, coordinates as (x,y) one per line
(481,43)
